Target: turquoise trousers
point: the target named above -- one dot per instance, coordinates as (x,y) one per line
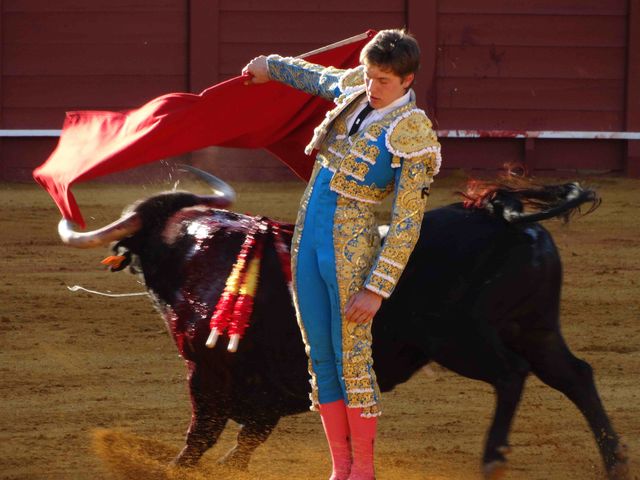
(317,291)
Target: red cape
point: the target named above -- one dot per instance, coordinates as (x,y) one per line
(229,114)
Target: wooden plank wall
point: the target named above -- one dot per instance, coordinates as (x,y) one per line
(248,28)
(537,65)
(633,88)
(83,55)
(496,64)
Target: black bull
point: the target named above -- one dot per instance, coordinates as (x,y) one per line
(480,296)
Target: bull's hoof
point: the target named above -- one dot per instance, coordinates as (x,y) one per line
(185,459)
(620,469)
(494,470)
(235,460)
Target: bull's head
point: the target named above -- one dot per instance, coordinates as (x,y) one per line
(222,197)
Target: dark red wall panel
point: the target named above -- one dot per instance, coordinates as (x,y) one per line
(632,160)
(136,59)
(532,62)
(93,6)
(526,93)
(288,27)
(337,7)
(536,7)
(495,64)
(532,30)
(21,155)
(537,65)
(578,155)
(479,153)
(506,119)
(78,54)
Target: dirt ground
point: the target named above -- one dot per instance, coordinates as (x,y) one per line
(92,387)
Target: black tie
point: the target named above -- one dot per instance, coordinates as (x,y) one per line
(361,116)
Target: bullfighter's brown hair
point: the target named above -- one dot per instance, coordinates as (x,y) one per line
(396,50)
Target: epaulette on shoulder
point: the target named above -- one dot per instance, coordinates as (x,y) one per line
(351,79)
(411,135)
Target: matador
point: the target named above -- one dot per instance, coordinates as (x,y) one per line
(375,142)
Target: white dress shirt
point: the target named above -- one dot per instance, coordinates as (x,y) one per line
(377,113)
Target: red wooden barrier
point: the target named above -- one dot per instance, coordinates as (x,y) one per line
(496,64)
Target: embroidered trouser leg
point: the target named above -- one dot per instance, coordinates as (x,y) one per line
(323,329)
(333,252)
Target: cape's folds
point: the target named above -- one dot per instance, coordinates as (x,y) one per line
(229,114)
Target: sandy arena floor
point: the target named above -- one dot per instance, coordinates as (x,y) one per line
(92,387)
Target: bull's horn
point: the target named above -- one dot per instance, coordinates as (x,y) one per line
(124,226)
(223,193)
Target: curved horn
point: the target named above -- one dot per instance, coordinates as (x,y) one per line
(124,226)
(223,193)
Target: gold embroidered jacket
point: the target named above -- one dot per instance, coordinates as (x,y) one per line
(399,153)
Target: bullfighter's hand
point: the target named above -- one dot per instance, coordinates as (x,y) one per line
(257,70)
(362,307)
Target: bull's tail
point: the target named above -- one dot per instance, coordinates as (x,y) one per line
(518,199)
(564,201)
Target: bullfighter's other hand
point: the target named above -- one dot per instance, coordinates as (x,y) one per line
(256,70)
(362,307)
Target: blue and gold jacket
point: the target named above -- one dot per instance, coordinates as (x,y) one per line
(400,153)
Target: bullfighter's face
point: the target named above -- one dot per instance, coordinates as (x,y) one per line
(383,85)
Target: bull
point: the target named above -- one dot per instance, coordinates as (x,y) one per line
(480,296)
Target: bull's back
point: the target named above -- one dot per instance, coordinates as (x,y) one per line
(471,266)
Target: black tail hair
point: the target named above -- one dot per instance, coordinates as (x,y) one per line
(519,199)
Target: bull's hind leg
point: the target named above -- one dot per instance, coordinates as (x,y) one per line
(482,356)
(210,412)
(251,435)
(555,365)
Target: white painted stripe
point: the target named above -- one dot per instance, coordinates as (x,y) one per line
(561,134)
(30,133)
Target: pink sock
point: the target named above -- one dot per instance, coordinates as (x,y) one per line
(336,429)
(363,435)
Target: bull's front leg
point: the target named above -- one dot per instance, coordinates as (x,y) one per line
(210,412)
(251,435)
